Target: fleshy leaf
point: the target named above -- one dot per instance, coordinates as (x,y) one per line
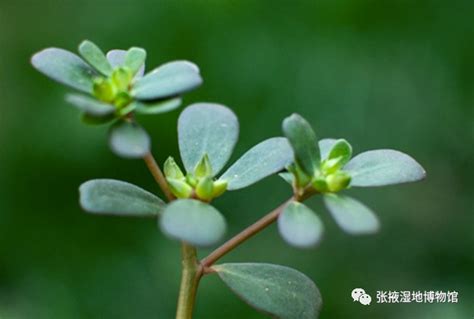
(383,167)
(351,215)
(207,128)
(134,59)
(278,291)
(117,59)
(341,149)
(170,79)
(129,140)
(90,105)
(325,146)
(158,107)
(112,197)
(262,160)
(303,140)
(65,67)
(300,226)
(193,221)
(95,57)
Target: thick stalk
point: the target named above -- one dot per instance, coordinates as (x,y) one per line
(191,270)
(190,276)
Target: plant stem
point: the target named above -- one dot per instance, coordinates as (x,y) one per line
(191,270)
(190,276)
(155,170)
(243,236)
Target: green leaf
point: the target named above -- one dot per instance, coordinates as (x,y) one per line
(134,59)
(287,177)
(303,140)
(65,67)
(112,197)
(325,146)
(170,79)
(117,59)
(278,291)
(351,215)
(207,128)
(129,140)
(262,160)
(193,221)
(95,57)
(90,105)
(383,167)
(341,149)
(162,106)
(300,226)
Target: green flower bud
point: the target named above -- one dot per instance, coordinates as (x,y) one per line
(172,170)
(191,180)
(104,90)
(320,184)
(205,189)
(121,77)
(338,181)
(332,165)
(219,188)
(179,188)
(123,99)
(203,168)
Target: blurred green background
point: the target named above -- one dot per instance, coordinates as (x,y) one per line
(383,74)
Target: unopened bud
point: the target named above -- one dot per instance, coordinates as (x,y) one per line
(338,181)
(203,168)
(179,188)
(172,169)
(104,90)
(205,188)
(220,187)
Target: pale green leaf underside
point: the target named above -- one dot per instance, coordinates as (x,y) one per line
(112,197)
(325,145)
(207,128)
(158,107)
(300,226)
(65,67)
(262,160)
(278,291)
(117,58)
(170,79)
(383,167)
(129,140)
(351,215)
(90,105)
(95,57)
(193,221)
(134,59)
(304,142)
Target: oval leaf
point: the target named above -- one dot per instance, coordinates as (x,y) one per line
(351,215)
(278,291)
(206,128)
(117,58)
(135,59)
(303,140)
(262,160)
(193,221)
(65,67)
(129,140)
(90,105)
(300,226)
(173,78)
(95,57)
(112,197)
(158,107)
(383,167)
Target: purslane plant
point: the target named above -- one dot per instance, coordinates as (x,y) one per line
(207,133)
